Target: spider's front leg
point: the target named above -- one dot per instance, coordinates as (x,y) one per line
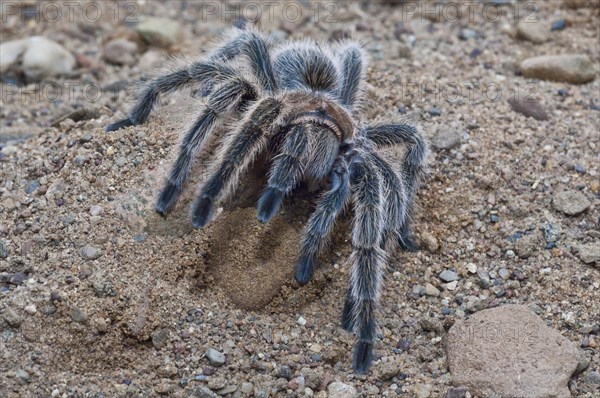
(208,73)
(228,96)
(242,147)
(321,221)
(285,173)
(367,260)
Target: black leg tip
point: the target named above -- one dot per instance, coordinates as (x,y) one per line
(304,270)
(167,198)
(202,212)
(408,244)
(269,204)
(118,125)
(363,356)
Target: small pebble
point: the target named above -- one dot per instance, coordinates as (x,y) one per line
(89,252)
(560,24)
(430,242)
(23,375)
(12,318)
(78,315)
(435,111)
(30,309)
(445,139)
(466,34)
(431,290)
(449,276)
(216,358)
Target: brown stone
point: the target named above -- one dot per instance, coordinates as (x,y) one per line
(509,351)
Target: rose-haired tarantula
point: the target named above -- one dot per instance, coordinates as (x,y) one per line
(299,102)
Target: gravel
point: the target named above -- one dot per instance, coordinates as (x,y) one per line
(487,200)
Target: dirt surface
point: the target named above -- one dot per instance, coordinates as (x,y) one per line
(102,297)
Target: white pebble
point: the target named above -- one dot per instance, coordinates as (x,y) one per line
(31,309)
(301,321)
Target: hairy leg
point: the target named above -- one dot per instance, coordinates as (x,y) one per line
(228,96)
(320,223)
(285,173)
(395,212)
(242,147)
(413,163)
(353,64)
(367,260)
(209,73)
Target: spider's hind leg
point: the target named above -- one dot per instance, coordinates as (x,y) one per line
(367,259)
(242,147)
(403,132)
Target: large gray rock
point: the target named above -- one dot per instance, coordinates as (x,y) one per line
(566,68)
(40,58)
(509,351)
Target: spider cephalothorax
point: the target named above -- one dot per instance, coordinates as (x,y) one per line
(300,98)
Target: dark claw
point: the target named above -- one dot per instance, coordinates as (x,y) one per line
(304,269)
(408,244)
(405,241)
(363,356)
(269,204)
(167,198)
(118,125)
(202,212)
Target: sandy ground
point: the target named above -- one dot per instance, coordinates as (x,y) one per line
(110,299)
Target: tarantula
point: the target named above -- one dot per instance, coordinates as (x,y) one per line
(299,101)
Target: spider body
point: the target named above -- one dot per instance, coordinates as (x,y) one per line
(300,101)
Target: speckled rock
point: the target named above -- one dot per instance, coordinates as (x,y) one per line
(567,68)
(571,202)
(590,253)
(337,389)
(509,351)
